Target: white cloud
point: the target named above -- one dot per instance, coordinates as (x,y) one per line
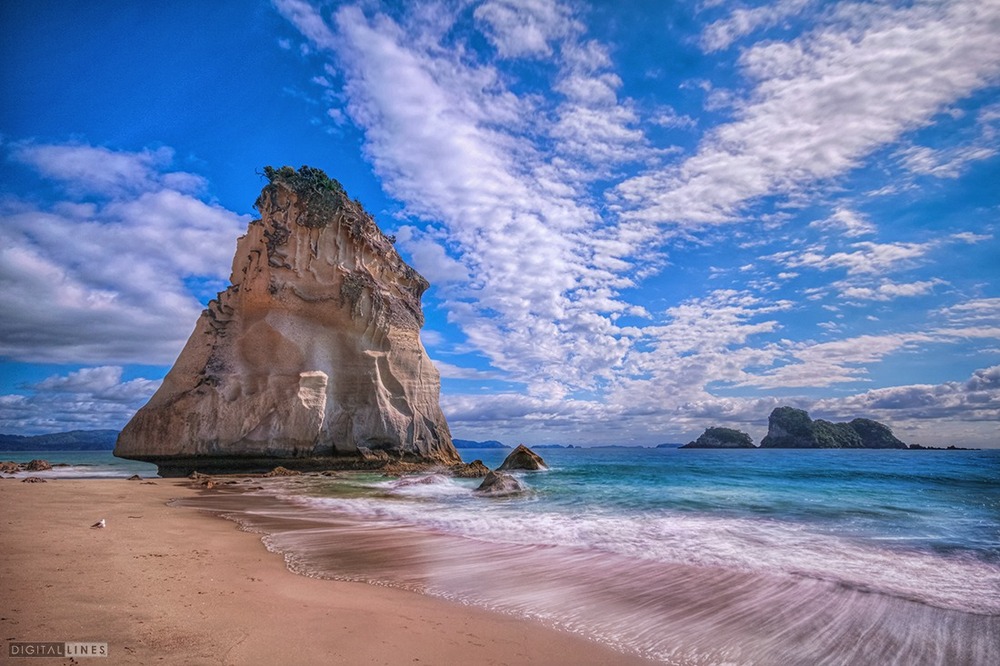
(823,102)
(952,161)
(887,290)
(533,264)
(525,28)
(105,282)
(864,258)
(721,34)
(828,363)
(976,399)
(86,399)
(86,169)
(540,274)
(848,222)
(430,259)
(975,312)
(307,21)
(943,163)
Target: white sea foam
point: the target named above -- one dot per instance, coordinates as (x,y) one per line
(78,472)
(747,545)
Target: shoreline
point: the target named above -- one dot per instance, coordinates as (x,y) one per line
(177,585)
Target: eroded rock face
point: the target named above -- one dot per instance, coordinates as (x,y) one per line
(311,354)
(522,458)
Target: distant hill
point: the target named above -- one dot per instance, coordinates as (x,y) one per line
(74,440)
(470,444)
(669,445)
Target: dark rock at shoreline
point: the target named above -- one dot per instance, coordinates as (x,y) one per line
(11,467)
(282,471)
(134,477)
(33,479)
(721,438)
(791,428)
(500,484)
(522,458)
(473,470)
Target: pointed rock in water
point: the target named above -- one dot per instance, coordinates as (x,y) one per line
(310,355)
(522,458)
(721,438)
(500,484)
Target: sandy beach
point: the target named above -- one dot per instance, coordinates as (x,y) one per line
(175,585)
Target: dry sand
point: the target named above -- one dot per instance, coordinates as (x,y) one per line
(168,585)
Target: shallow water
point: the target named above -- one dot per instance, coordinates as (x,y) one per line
(81,465)
(686,557)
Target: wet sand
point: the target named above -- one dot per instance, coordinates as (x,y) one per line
(175,585)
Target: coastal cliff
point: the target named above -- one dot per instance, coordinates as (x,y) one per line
(311,358)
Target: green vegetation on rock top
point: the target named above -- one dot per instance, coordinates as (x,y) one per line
(322,196)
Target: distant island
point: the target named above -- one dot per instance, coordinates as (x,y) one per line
(721,438)
(74,440)
(471,444)
(791,428)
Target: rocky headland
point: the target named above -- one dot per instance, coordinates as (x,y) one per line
(310,359)
(791,428)
(721,438)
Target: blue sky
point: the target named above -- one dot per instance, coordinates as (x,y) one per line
(639,219)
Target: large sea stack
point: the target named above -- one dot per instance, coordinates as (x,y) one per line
(310,359)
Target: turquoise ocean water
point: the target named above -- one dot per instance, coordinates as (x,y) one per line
(81,464)
(683,556)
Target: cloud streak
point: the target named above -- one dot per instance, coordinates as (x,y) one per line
(822,102)
(107,280)
(87,399)
(519,202)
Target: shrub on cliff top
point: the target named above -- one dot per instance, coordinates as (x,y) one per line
(306,179)
(322,195)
